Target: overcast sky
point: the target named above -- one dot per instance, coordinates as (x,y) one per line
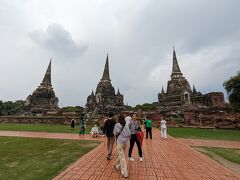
(138,35)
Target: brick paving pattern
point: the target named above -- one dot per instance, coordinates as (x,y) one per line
(211,143)
(163,159)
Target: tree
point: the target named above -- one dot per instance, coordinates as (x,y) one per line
(73,109)
(146,107)
(10,108)
(1,108)
(232,87)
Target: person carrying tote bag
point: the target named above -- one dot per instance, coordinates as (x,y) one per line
(135,127)
(122,134)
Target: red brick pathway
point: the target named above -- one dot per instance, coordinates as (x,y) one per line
(211,143)
(163,159)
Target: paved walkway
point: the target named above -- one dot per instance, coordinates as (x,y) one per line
(163,159)
(211,143)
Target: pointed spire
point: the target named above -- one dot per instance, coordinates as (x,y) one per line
(47,76)
(194,89)
(92,93)
(118,92)
(175,67)
(105,76)
(162,90)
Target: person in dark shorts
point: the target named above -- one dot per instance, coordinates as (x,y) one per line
(108,128)
(73,121)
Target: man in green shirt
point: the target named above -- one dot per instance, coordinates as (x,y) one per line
(148,124)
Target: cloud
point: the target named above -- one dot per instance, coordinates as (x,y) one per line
(58,41)
(137,34)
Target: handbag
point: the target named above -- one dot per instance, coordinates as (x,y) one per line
(140,136)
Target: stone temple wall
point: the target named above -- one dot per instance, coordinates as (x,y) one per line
(37,120)
(215,119)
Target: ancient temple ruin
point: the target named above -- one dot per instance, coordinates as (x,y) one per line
(104,100)
(179,94)
(43,99)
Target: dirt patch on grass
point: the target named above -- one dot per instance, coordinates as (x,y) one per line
(65,143)
(230,165)
(12,164)
(91,145)
(51,151)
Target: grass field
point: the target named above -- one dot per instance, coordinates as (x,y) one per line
(194,133)
(232,155)
(41,128)
(197,133)
(28,158)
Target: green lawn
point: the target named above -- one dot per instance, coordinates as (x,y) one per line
(232,155)
(29,158)
(197,133)
(41,128)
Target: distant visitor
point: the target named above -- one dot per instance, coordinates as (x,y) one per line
(94,131)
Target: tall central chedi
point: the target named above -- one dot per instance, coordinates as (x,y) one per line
(43,99)
(104,100)
(178,88)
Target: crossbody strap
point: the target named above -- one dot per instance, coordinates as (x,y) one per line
(120,131)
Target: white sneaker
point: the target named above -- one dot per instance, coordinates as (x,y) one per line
(131,159)
(117,168)
(141,159)
(125,175)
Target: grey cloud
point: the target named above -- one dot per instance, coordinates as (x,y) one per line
(59,42)
(191,24)
(137,34)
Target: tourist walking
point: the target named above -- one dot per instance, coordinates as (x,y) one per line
(148,124)
(135,126)
(163,128)
(122,133)
(73,121)
(102,121)
(108,128)
(82,126)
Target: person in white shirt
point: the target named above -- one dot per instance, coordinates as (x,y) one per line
(128,120)
(163,128)
(94,131)
(122,134)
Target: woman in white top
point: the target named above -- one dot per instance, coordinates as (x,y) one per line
(163,128)
(94,131)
